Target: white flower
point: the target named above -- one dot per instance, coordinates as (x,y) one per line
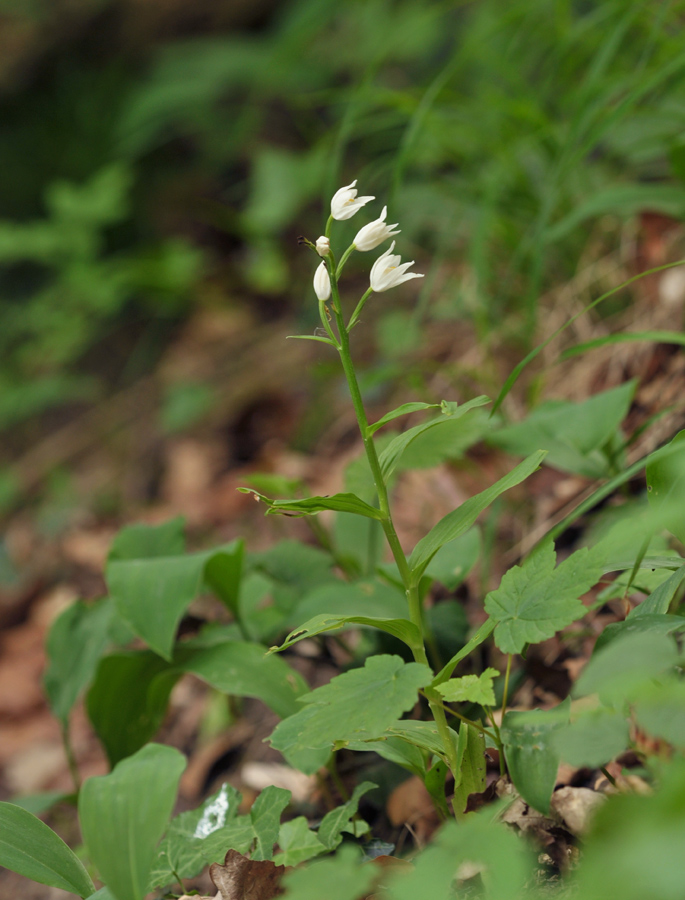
(345,202)
(322,282)
(387,272)
(373,234)
(323,246)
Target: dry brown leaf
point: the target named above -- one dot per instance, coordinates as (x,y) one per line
(241,878)
(575,807)
(410,804)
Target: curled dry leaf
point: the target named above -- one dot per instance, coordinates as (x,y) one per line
(241,878)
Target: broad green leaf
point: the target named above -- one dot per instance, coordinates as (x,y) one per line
(223,573)
(41,802)
(357,705)
(422,734)
(334,822)
(392,453)
(151,595)
(660,599)
(470,775)
(30,848)
(266,819)
(572,433)
(74,646)
(660,710)
(124,814)
(294,564)
(147,541)
(626,664)
(402,410)
(297,842)
(359,542)
(535,600)
(470,688)
(448,442)
(358,598)
(338,877)
(481,635)
(396,750)
(309,506)
(532,755)
(400,628)
(448,624)
(453,562)
(666,485)
(454,524)
(242,669)
(594,739)
(128,700)
(201,836)
(647,624)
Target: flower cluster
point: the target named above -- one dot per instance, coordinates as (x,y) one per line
(387,272)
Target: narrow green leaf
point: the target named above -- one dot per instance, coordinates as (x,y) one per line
(402,410)
(535,600)
(392,453)
(532,755)
(242,669)
(658,337)
(470,766)
(357,705)
(30,848)
(481,635)
(147,541)
(298,843)
(334,822)
(310,506)
(460,520)
(76,641)
(660,599)
(266,819)
(400,628)
(128,700)
(124,814)
(471,688)
(310,337)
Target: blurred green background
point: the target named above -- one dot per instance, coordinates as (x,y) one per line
(159,156)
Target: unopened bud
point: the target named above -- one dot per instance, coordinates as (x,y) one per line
(323,246)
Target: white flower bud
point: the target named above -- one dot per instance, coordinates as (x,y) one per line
(345,202)
(373,234)
(387,272)
(323,246)
(322,282)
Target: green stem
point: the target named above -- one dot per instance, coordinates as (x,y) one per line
(505,694)
(343,259)
(457,715)
(357,312)
(411,589)
(71,759)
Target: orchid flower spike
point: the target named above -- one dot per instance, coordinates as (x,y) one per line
(370,236)
(322,282)
(345,202)
(387,272)
(323,245)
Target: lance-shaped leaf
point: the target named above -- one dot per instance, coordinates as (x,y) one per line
(309,506)
(470,774)
(392,453)
(400,628)
(124,814)
(357,705)
(30,848)
(461,519)
(470,688)
(535,600)
(402,410)
(660,599)
(481,635)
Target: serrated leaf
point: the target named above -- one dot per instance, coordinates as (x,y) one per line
(532,756)
(470,688)
(76,641)
(594,739)
(129,810)
(400,628)
(297,842)
(128,700)
(461,519)
(310,506)
(266,819)
(535,600)
(335,821)
(32,849)
(243,669)
(391,455)
(357,705)
(402,410)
